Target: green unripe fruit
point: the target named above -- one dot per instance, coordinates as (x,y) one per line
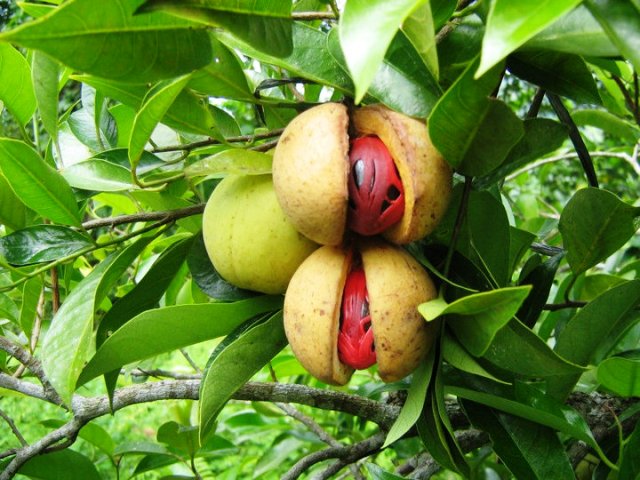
(248,238)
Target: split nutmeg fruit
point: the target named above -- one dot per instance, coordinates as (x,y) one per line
(346,309)
(387,179)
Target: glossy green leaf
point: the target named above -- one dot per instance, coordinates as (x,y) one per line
(477,318)
(457,116)
(234,362)
(528,449)
(611,124)
(16,89)
(366,30)
(630,463)
(60,465)
(541,136)
(98,174)
(377,473)
(236,161)
(223,77)
(13,213)
(576,32)
(456,355)
(517,349)
(591,327)
(264,25)
(564,74)
(594,224)
(621,376)
(544,411)
(35,10)
(45,73)
(68,341)
(510,24)
(142,48)
(208,279)
(36,184)
(414,403)
(8,308)
(188,113)
(419,29)
(621,21)
(165,329)
(183,438)
(42,243)
(31,293)
(153,109)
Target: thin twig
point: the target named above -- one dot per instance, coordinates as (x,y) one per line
(13,427)
(576,138)
(213,141)
(311,16)
(167,215)
(536,103)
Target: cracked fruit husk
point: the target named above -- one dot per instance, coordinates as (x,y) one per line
(326,182)
(395,285)
(249,240)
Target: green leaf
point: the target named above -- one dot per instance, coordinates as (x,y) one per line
(223,77)
(61,465)
(511,24)
(542,410)
(541,278)
(464,118)
(591,327)
(31,292)
(236,161)
(234,362)
(621,376)
(541,136)
(564,74)
(516,348)
(154,107)
(366,30)
(8,308)
(208,279)
(412,407)
(42,243)
(91,432)
(179,437)
(263,25)
(613,125)
(576,32)
(112,43)
(455,354)
(36,184)
(169,328)
(45,73)
(630,463)
(13,213)
(529,450)
(188,113)
(419,29)
(16,89)
(377,473)
(98,174)
(477,318)
(68,341)
(594,224)
(35,10)
(621,22)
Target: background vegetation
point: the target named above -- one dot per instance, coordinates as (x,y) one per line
(118,340)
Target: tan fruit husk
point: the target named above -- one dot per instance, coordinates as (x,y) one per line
(312,313)
(310,168)
(396,283)
(426,177)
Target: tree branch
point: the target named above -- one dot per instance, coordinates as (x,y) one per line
(167,216)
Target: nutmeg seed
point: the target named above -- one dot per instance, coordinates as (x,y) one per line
(396,285)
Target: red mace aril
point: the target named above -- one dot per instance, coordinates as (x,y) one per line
(376,194)
(355,340)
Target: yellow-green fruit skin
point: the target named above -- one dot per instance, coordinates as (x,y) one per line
(249,240)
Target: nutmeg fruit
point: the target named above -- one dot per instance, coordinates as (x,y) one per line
(327,182)
(387,321)
(249,240)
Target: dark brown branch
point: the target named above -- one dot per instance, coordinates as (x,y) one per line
(167,216)
(632,105)
(536,103)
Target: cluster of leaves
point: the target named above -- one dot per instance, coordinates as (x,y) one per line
(102,265)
